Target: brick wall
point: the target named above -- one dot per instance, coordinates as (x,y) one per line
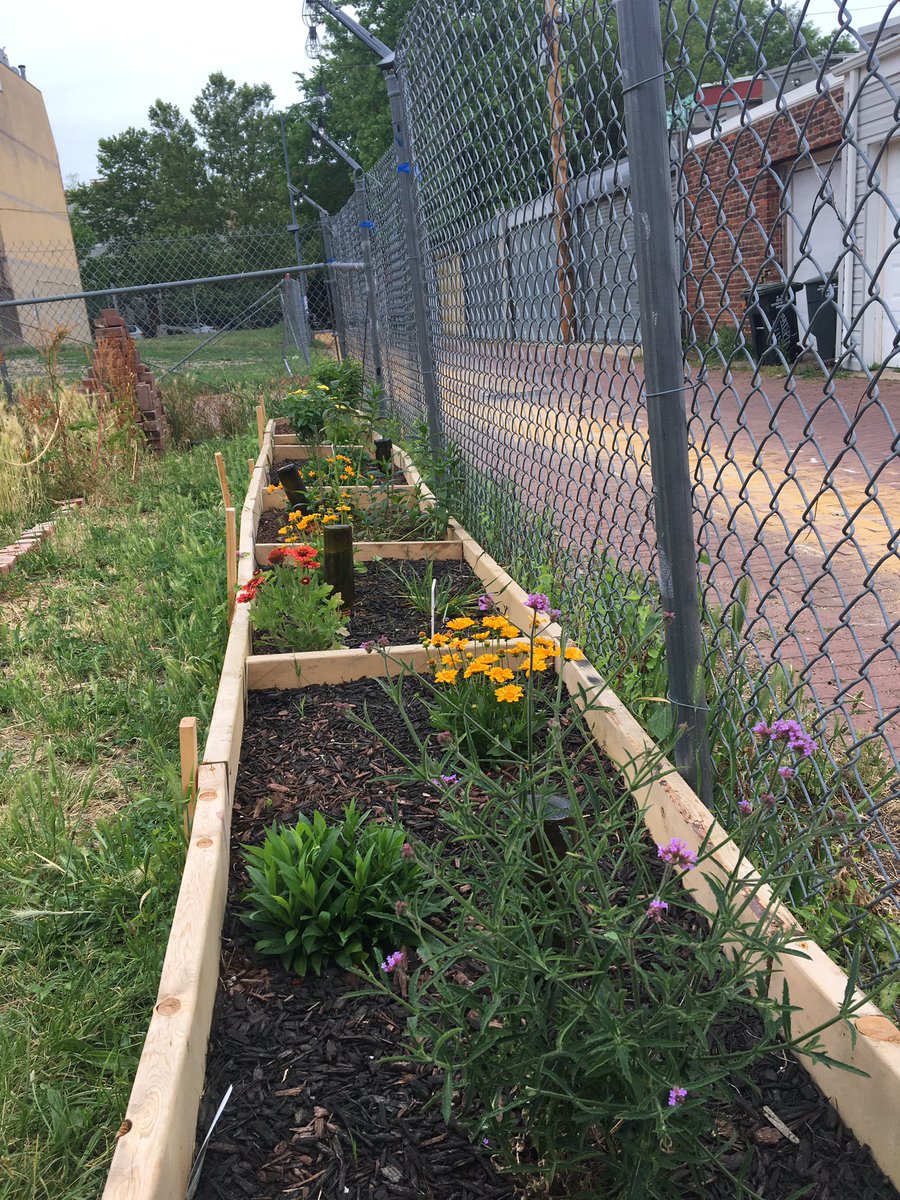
(735,234)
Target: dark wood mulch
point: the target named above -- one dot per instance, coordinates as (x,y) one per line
(316,1113)
(381,610)
(273,520)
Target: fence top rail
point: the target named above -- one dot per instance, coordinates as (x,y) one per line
(177,283)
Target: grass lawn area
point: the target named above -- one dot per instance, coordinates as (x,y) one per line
(249,356)
(109,634)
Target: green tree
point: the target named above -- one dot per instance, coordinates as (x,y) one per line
(184,199)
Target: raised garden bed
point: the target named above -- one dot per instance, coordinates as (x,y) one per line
(382,607)
(156,1141)
(315,1109)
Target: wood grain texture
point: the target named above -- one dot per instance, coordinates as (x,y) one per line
(190,761)
(330,666)
(153,1158)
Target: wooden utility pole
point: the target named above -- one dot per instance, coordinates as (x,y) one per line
(565,271)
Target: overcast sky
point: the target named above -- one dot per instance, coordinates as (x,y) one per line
(100,67)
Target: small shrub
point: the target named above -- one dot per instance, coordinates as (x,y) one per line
(20,490)
(340,893)
(195,414)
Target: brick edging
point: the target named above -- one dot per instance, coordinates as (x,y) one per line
(33,537)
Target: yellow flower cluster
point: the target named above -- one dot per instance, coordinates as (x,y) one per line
(536,654)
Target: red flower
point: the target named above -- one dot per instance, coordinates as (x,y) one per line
(250,588)
(296,555)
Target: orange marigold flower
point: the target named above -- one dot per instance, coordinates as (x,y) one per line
(474,668)
(440,639)
(511,693)
(495,623)
(459,623)
(487,660)
(500,675)
(480,637)
(573,654)
(510,631)
(446,676)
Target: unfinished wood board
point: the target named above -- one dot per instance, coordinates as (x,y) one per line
(329,666)
(223,742)
(367,551)
(153,1155)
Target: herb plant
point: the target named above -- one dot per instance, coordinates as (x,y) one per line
(450,599)
(324,894)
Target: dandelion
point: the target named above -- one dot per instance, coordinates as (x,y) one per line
(678,854)
(677,1095)
(656,910)
(511,693)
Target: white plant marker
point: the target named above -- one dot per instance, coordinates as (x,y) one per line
(433,601)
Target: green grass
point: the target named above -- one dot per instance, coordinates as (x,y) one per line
(248,356)
(110,634)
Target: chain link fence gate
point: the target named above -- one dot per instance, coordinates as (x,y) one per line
(212,323)
(784,150)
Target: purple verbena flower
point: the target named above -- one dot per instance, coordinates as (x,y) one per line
(407,850)
(678,854)
(786,772)
(656,910)
(393,960)
(792,732)
(538,601)
(745,806)
(768,800)
(367,646)
(761,730)
(400,907)
(485,602)
(677,1095)
(554,613)
(383,641)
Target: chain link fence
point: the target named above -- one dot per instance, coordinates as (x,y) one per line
(207,323)
(784,154)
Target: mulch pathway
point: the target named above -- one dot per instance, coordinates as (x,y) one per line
(381,610)
(317,1112)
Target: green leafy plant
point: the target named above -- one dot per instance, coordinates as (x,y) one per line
(450,599)
(291,605)
(392,516)
(305,411)
(586,1012)
(340,893)
(345,380)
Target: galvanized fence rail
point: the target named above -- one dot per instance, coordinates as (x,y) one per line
(661,244)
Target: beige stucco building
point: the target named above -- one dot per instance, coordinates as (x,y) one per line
(37,254)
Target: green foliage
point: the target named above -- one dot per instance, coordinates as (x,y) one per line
(295,609)
(449,599)
(305,410)
(322,894)
(574,982)
(113,631)
(392,516)
(345,380)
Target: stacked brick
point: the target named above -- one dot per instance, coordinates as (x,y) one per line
(734,212)
(116,360)
(32,538)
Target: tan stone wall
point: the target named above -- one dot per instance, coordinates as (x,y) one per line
(37,255)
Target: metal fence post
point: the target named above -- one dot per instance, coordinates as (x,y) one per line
(365,237)
(333,288)
(643,86)
(405,172)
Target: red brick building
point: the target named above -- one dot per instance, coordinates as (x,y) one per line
(740,188)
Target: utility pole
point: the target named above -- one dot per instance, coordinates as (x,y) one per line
(559,160)
(365,237)
(406,180)
(331,274)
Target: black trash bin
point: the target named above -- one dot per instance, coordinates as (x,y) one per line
(773,323)
(820,305)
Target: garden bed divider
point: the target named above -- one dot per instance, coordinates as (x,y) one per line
(155,1143)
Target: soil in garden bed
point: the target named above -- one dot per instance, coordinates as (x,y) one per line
(272,520)
(316,1113)
(380,608)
